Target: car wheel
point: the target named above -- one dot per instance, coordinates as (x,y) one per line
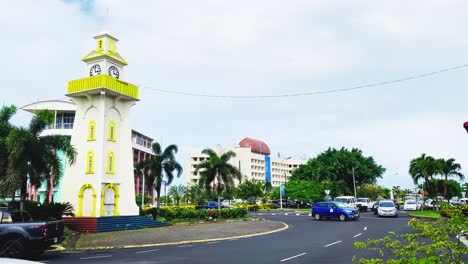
(317,216)
(396,215)
(342,217)
(12,248)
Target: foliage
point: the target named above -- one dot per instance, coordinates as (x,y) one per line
(333,169)
(449,212)
(249,190)
(302,190)
(45,211)
(431,242)
(162,165)
(138,199)
(177,193)
(449,168)
(425,214)
(184,213)
(372,191)
(217,169)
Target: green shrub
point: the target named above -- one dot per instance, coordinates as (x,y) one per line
(172,214)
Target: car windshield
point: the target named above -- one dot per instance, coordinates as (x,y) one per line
(341,205)
(342,200)
(410,202)
(387,204)
(362,200)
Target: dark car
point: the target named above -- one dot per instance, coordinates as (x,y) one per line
(334,210)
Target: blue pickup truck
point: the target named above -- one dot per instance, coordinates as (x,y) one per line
(20,236)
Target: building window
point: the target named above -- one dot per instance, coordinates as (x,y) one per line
(111,136)
(110,163)
(92,130)
(90,162)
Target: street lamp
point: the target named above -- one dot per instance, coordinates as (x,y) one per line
(142,189)
(281,189)
(354,183)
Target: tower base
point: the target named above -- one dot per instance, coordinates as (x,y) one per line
(110,223)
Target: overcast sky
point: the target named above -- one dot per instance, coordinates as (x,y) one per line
(249,48)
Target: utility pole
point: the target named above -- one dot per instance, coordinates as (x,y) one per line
(354,183)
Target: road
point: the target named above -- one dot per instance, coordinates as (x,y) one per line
(305,241)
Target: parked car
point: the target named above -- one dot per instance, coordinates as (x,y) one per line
(364,203)
(212,205)
(386,208)
(350,201)
(334,210)
(411,205)
(20,235)
(464,200)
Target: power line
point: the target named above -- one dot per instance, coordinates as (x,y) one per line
(310,93)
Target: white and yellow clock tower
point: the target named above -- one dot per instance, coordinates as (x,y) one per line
(101,181)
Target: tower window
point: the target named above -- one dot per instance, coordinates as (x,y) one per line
(92,130)
(111,136)
(110,162)
(90,162)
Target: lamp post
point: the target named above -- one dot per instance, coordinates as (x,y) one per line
(417,194)
(281,189)
(354,183)
(165,195)
(142,189)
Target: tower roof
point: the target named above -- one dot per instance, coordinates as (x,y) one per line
(256,146)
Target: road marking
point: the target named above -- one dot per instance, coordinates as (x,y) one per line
(212,243)
(273,214)
(146,251)
(297,214)
(331,244)
(310,214)
(184,246)
(286,214)
(357,235)
(286,259)
(95,257)
(260,214)
(365,228)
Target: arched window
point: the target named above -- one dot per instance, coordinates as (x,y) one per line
(90,162)
(111,133)
(92,130)
(110,163)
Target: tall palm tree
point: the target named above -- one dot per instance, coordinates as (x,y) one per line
(177,193)
(217,169)
(449,168)
(195,193)
(424,168)
(33,158)
(162,165)
(8,184)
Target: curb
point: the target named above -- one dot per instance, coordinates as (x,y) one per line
(285,226)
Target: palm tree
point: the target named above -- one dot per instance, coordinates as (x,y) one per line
(217,169)
(396,190)
(424,167)
(449,168)
(8,184)
(162,164)
(195,193)
(33,158)
(177,193)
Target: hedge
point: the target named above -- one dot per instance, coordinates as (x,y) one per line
(177,213)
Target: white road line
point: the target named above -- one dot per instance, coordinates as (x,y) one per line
(286,259)
(297,214)
(260,214)
(310,214)
(212,243)
(95,257)
(273,214)
(146,251)
(331,244)
(184,246)
(286,214)
(357,235)
(365,228)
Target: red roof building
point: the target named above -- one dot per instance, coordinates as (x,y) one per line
(255,145)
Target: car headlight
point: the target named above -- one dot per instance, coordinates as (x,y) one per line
(348,211)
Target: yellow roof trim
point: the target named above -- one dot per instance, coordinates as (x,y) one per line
(112,55)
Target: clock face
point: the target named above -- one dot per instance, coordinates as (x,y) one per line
(95,70)
(114,72)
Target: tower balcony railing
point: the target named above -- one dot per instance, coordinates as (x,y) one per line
(103,81)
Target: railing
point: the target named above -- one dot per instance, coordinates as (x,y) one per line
(103,81)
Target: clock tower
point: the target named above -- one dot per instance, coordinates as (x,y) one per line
(101,181)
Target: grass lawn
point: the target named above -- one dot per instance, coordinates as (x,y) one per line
(425,214)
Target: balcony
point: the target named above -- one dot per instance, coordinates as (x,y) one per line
(102,81)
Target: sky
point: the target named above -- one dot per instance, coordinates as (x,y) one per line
(255,48)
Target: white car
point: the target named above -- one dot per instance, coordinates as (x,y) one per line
(350,201)
(411,205)
(387,208)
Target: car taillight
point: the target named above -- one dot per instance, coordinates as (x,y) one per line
(44,230)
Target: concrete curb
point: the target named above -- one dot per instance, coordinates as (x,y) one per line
(285,226)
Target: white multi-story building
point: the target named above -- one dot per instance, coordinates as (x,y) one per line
(253,161)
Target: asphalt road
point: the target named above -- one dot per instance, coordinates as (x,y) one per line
(306,241)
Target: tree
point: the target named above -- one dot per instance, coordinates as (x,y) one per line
(249,190)
(425,168)
(372,191)
(32,157)
(195,194)
(177,193)
(334,169)
(397,191)
(162,165)
(303,190)
(217,168)
(449,168)
(8,184)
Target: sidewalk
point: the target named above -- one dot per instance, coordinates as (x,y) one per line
(175,234)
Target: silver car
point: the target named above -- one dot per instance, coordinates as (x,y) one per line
(387,208)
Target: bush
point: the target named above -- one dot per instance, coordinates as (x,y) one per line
(181,213)
(45,211)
